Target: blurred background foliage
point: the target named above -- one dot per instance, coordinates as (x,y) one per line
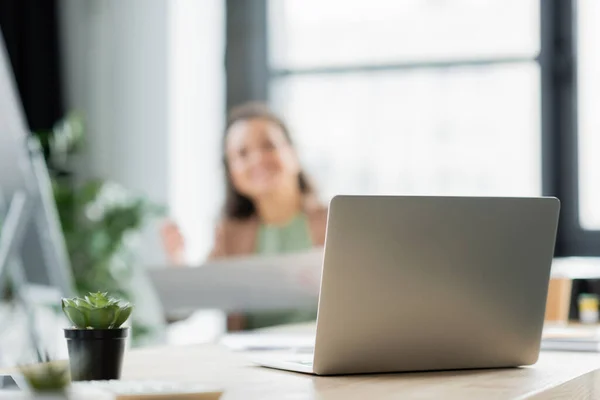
(100,219)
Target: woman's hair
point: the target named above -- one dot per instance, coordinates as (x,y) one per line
(238,206)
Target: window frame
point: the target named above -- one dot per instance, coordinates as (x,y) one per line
(248,77)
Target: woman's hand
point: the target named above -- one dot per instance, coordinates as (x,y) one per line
(173,242)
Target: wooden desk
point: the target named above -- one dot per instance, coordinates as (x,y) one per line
(556,376)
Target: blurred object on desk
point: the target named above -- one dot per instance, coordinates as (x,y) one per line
(571,338)
(263,341)
(560,305)
(588,308)
(557,303)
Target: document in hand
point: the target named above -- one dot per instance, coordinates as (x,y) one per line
(279,282)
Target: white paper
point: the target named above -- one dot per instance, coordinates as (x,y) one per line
(242,284)
(259,341)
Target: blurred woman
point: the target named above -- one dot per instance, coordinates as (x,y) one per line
(270,206)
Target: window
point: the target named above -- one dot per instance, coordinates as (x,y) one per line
(417,102)
(476,97)
(314,33)
(418,131)
(589,113)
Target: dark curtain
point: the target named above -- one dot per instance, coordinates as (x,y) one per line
(30,30)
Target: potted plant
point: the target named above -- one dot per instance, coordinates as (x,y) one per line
(96,342)
(50,381)
(46,381)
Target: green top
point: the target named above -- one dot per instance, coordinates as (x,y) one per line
(289,238)
(292,237)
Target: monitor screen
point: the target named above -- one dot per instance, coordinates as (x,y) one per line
(43,253)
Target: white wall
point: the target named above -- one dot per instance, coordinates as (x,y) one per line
(116,73)
(148,76)
(197,107)
(116,53)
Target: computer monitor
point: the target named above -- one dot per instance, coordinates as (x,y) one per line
(42,254)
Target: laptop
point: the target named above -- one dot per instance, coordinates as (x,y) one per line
(414,283)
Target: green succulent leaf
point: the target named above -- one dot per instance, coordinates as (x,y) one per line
(99,299)
(96,311)
(83,304)
(112,301)
(76,316)
(122,316)
(68,303)
(102,318)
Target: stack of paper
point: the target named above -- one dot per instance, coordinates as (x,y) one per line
(571,338)
(263,341)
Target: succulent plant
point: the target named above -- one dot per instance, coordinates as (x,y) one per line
(47,377)
(96,311)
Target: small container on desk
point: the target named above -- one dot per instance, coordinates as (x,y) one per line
(588,308)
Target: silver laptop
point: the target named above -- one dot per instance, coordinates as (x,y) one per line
(430,283)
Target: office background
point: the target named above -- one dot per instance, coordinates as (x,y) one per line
(463,97)
(444,97)
(469,97)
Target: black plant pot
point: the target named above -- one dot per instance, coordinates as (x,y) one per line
(96,354)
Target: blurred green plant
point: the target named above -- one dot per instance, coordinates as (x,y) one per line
(48,377)
(96,311)
(101,220)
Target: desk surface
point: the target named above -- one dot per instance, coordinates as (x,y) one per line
(556,376)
